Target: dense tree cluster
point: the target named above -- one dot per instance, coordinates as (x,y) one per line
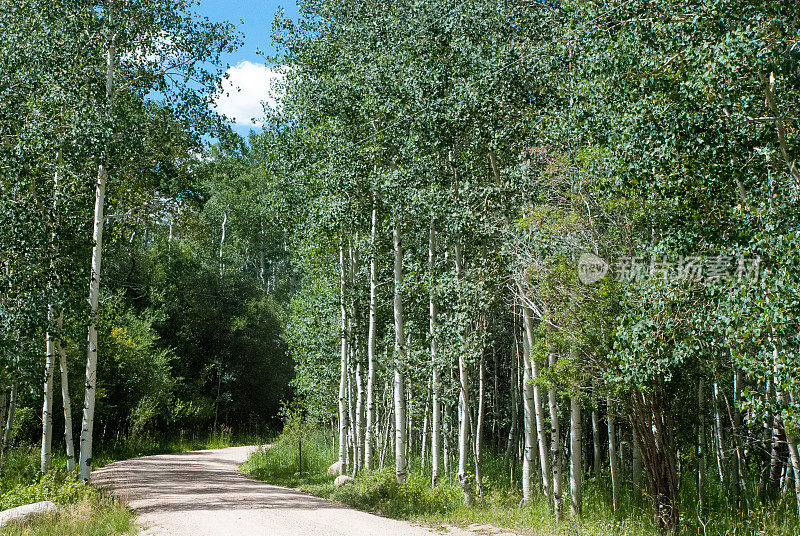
(469,170)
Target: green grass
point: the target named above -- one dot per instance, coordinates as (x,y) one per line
(377,491)
(95,516)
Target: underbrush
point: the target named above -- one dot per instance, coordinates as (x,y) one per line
(83,510)
(501,504)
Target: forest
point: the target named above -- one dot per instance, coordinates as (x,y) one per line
(543,256)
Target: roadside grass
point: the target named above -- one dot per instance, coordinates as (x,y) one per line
(501,506)
(85,510)
(91,516)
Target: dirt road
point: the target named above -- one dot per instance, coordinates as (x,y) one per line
(202,494)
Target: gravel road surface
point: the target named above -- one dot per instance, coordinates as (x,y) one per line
(202,493)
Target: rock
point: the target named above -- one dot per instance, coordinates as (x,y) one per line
(335,469)
(24,513)
(343,480)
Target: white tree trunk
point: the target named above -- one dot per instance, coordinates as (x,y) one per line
(479,426)
(544,455)
(8,422)
(791,441)
(343,410)
(555,447)
(399,352)
(222,243)
(369,439)
(794,455)
(87,425)
(463,404)
(612,452)
(3,409)
(355,331)
(47,407)
(637,465)
(436,428)
(596,441)
(701,447)
(575,458)
(67,402)
(528,421)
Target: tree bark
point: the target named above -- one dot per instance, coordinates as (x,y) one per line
(555,447)
(575,459)
(463,404)
(355,334)
(791,441)
(740,461)
(515,401)
(701,447)
(401,465)
(87,425)
(654,430)
(612,453)
(596,462)
(540,417)
(67,402)
(47,407)
(434,318)
(343,410)
(8,421)
(479,427)
(369,440)
(528,419)
(3,409)
(636,466)
(720,443)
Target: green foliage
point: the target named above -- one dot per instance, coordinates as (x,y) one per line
(136,383)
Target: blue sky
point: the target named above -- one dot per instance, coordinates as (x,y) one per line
(249,77)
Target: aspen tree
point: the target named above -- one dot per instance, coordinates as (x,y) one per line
(401,435)
(343,410)
(575,459)
(544,458)
(436,416)
(87,424)
(369,438)
(613,458)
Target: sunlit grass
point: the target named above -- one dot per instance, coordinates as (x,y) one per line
(501,505)
(92,516)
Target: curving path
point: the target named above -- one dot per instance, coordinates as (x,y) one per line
(202,493)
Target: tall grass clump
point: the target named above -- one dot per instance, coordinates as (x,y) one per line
(300,455)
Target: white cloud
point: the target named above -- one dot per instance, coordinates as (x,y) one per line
(247,86)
